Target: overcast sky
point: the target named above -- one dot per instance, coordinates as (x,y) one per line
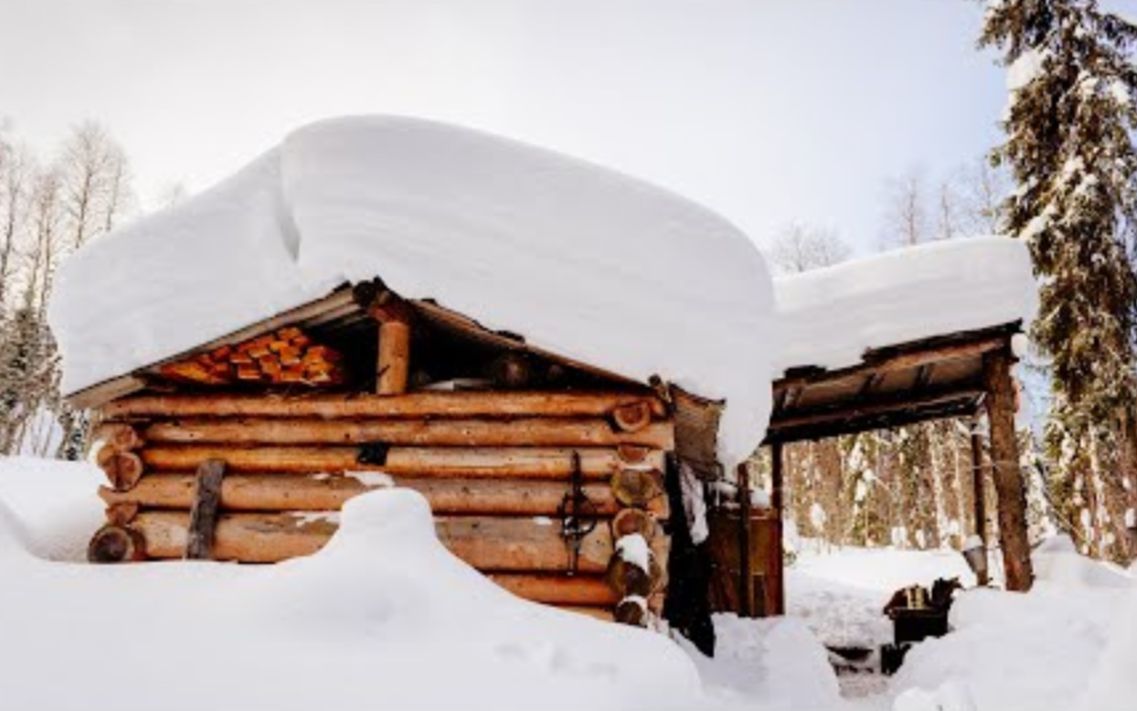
(768,112)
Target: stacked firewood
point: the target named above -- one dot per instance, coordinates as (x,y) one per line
(287,356)
(557,496)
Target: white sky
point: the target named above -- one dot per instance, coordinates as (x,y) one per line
(767,112)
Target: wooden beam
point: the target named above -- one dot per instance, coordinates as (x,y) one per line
(535,431)
(894,361)
(558,589)
(393,363)
(354,405)
(777,466)
(876,413)
(745,545)
(923,376)
(1009,486)
(498,462)
(979,494)
(203,514)
(872,382)
(534,545)
(324,492)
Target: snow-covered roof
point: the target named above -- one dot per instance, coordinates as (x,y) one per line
(584,262)
(829,317)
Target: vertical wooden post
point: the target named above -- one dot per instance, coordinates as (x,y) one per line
(776,466)
(745,541)
(978,494)
(1009,487)
(203,514)
(393,366)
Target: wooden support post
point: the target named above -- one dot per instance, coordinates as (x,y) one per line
(979,495)
(203,515)
(393,367)
(745,574)
(1009,486)
(776,467)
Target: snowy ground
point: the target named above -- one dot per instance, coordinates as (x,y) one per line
(385,617)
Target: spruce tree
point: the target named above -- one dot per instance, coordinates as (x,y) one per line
(1069,144)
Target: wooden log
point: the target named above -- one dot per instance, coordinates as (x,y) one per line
(394,358)
(632,521)
(119,435)
(908,359)
(203,514)
(323,492)
(521,544)
(1009,487)
(535,431)
(487,543)
(626,578)
(746,592)
(559,589)
(123,469)
(245,537)
(119,513)
(636,487)
(116,544)
(632,417)
(631,610)
(603,614)
(512,370)
(505,462)
(419,404)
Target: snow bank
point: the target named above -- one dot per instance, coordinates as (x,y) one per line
(583,261)
(53,505)
(829,317)
(769,664)
(1114,685)
(383,617)
(1037,651)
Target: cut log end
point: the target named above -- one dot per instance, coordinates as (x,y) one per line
(632,417)
(121,513)
(123,469)
(116,544)
(632,610)
(121,436)
(630,579)
(631,521)
(634,487)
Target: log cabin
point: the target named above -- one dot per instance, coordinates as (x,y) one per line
(569,365)
(248,373)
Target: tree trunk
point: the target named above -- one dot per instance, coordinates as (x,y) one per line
(1007,473)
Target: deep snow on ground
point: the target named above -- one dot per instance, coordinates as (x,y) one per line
(385,617)
(1049,649)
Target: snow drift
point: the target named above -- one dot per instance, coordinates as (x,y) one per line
(583,261)
(1048,649)
(829,317)
(383,617)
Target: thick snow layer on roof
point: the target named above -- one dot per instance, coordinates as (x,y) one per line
(829,317)
(582,261)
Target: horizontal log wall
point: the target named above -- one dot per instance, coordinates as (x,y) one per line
(497,468)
